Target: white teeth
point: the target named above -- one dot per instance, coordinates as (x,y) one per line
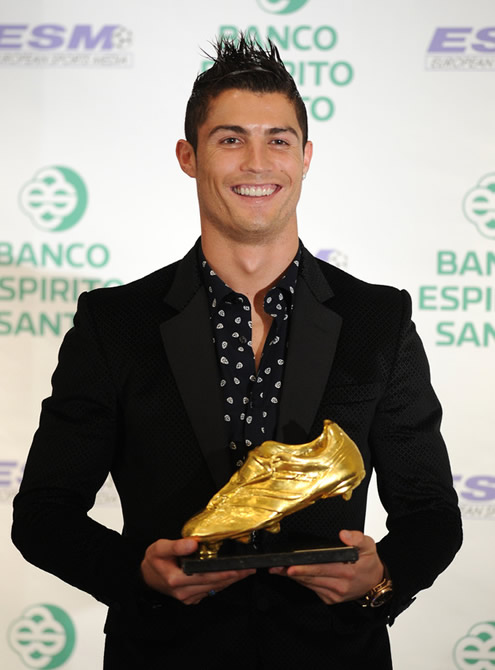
(254,191)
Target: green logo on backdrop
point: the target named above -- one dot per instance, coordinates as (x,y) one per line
(479,206)
(43,636)
(281,6)
(476,651)
(55,199)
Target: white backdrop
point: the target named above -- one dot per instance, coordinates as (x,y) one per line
(401,191)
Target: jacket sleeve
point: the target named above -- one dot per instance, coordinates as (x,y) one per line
(70,458)
(413,473)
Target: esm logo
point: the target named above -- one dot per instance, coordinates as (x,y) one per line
(462,49)
(476,496)
(51,36)
(461,40)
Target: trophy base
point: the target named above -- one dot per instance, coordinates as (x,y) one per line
(246,557)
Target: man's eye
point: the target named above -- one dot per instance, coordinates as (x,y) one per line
(230,140)
(279,142)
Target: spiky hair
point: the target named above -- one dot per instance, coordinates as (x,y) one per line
(241,64)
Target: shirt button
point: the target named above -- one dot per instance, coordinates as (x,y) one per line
(243,339)
(233,445)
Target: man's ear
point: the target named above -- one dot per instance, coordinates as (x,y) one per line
(186,157)
(308,154)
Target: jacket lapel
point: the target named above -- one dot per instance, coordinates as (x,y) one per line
(188,342)
(313,337)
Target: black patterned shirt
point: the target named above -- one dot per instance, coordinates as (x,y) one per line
(250,397)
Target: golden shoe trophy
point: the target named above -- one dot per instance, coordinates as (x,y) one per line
(276,480)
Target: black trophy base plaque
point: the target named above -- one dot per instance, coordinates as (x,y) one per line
(246,557)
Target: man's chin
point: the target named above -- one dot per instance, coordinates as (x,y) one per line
(253,233)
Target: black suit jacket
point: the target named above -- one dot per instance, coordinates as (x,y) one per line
(136,393)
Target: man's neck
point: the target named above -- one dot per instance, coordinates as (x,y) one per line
(250,269)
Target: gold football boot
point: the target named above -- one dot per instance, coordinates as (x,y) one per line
(275,481)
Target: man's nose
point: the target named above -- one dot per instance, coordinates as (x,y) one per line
(256,157)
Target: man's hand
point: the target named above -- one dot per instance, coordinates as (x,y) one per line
(161,571)
(338,582)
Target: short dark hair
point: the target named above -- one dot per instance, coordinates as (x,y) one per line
(241,64)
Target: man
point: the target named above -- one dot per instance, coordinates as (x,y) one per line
(169,381)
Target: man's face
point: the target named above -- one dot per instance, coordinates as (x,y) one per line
(248,165)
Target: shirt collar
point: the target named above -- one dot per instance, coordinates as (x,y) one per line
(218,290)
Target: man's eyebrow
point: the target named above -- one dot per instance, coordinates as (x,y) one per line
(287,129)
(240,130)
(233,129)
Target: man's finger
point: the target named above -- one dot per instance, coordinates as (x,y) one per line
(217,577)
(331,570)
(184,546)
(170,548)
(364,543)
(352,538)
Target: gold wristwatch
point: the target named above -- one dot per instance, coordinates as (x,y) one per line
(379,594)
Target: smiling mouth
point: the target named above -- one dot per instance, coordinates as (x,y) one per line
(255,191)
